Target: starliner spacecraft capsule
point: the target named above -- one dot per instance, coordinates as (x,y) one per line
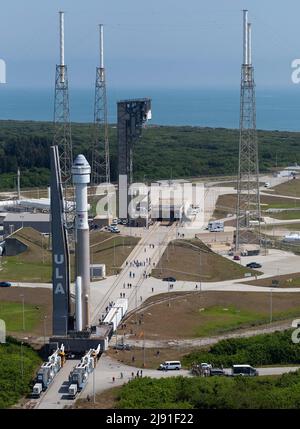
(81,172)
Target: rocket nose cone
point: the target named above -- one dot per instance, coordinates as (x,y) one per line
(81,161)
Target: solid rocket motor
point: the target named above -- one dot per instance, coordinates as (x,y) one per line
(81,172)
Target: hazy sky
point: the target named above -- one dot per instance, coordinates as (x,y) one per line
(161,43)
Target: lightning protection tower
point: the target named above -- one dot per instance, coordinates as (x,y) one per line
(248,198)
(62,126)
(100,150)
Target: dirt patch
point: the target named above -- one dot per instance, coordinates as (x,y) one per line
(181,317)
(193,261)
(148,357)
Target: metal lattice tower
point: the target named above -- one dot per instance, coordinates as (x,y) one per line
(248,198)
(100,151)
(62,126)
(62,130)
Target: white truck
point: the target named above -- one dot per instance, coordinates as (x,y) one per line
(73,390)
(37,390)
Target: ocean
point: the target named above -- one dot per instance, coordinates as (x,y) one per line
(276,109)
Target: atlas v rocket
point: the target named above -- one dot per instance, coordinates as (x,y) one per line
(81,172)
(63,319)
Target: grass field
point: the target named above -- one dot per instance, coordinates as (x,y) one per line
(227,204)
(191,260)
(286,215)
(111,249)
(202,314)
(285,281)
(38,310)
(12,314)
(35,264)
(290,188)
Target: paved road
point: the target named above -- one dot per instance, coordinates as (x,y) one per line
(148,252)
(56,395)
(108,368)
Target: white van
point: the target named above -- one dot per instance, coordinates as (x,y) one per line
(170,364)
(244,370)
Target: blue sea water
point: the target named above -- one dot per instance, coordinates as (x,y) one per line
(277,109)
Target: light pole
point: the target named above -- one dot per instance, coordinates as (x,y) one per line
(144,351)
(23,310)
(22,364)
(94,394)
(45,318)
(271,305)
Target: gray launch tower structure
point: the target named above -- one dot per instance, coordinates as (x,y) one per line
(132,115)
(248,198)
(60,251)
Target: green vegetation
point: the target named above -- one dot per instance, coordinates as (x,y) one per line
(35,264)
(18,364)
(12,314)
(217,320)
(212,393)
(161,152)
(268,349)
(285,215)
(286,280)
(290,188)
(111,250)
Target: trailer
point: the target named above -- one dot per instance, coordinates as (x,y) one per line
(80,373)
(116,313)
(48,370)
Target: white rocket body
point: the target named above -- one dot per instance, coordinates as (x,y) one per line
(81,172)
(78,303)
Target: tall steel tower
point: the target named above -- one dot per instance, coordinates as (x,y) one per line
(100,151)
(248,199)
(62,126)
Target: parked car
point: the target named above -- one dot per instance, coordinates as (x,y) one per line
(122,346)
(169,365)
(205,365)
(5,284)
(253,265)
(236,258)
(216,372)
(169,279)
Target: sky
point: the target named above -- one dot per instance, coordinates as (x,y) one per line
(159,43)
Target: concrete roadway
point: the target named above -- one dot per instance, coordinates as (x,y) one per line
(56,396)
(108,368)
